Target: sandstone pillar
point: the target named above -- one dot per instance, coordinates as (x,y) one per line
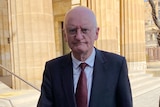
(5,59)
(32,39)
(132,33)
(107,13)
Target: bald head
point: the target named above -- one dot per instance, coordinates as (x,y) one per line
(80,12)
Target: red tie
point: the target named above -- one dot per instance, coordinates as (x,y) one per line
(81,91)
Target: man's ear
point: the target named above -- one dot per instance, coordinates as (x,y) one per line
(97,33)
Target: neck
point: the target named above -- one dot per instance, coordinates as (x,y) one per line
(83,56)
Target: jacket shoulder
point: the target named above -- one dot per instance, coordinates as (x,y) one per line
(59,60)
(111,56)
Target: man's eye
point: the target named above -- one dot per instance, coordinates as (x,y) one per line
(85,31)
(72,31)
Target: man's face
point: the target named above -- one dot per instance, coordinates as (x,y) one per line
(81,33)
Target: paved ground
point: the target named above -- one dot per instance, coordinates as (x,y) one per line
(149,99)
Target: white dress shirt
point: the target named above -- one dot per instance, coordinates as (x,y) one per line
(88,71)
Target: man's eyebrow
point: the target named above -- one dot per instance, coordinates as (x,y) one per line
(70,25)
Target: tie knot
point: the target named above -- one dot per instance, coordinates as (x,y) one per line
(83,65)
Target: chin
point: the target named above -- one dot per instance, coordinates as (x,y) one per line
(79,50)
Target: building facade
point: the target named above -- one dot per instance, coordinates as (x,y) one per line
(31,34)
(151,32)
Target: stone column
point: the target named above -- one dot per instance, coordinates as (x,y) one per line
(5,58)
(108,15)
(32,39)
(132,33)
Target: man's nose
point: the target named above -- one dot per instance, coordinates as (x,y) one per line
(79,34)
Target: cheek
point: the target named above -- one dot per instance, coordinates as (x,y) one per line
(90,41)
(96,37)
(65,37)
(70,41)
(93,38)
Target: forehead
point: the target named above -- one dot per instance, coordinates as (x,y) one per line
(79,20)
(80,17)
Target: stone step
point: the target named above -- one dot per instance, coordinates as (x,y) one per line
(25,98)
(140,77)
(17,98)
(153,64)
(154,71)
(146,88)
(142,82)
(137,74)
(4,88)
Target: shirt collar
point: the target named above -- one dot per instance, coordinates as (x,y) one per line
(89,60)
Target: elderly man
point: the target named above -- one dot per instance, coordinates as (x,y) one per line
(86,77)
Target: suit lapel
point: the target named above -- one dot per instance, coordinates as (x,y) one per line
(99,77)
(67,79)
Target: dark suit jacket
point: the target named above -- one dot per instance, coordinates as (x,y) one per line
(110,85)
